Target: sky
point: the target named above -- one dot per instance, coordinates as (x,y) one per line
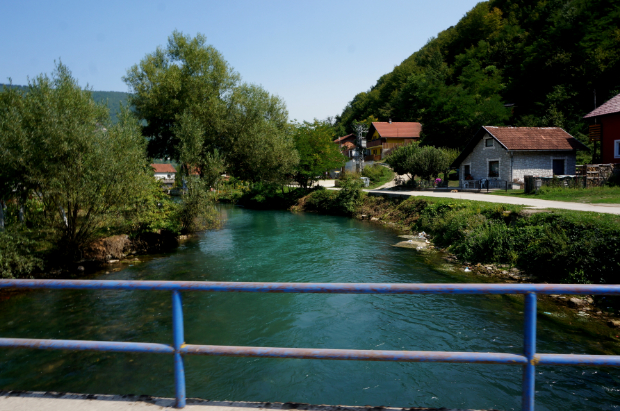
(316,55)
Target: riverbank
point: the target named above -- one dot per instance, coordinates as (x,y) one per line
(508,242)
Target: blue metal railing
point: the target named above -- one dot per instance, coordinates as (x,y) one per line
(529,360)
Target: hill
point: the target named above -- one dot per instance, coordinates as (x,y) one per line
(507,62)
(113,99)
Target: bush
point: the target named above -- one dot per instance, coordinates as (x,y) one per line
(17,255)
(343,202)
(198,212)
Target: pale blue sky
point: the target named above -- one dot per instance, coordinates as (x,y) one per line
(316,55)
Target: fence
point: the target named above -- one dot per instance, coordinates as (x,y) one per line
(529,360)
(485,184)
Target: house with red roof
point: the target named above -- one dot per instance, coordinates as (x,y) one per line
(606,129)
(347,144)
(510,153)
(166,173)
(382,137)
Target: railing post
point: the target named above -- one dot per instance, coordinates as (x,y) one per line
(529,350)
(178,340)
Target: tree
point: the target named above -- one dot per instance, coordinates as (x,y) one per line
(317,152)
(426,162)
(58,144)
(195,106)
(401,159)
(186,76)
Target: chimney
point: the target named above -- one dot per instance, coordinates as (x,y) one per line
(390,121)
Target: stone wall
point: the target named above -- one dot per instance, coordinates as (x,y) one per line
(540,164)
(479,159)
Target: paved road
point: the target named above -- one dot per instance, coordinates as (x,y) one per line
(489,198)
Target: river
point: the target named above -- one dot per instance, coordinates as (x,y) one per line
(285,247)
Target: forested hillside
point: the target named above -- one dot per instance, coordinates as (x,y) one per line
(507,62)
(113,99)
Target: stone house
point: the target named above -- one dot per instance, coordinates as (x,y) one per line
(510,153)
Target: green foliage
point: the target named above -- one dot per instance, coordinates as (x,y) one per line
(153,211)
(317,152)
(198,211)
(426,161)
(112,99)
(59,144)
(346,201)
(17,255)
(272,197)
(401,159)
(377,173)
(547,58)
(553,246)
(197,112)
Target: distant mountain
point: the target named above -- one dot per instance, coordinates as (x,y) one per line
(113,99)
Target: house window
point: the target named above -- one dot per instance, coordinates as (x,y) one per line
(558,167)
(488,142)
(617,148)
(493,168)
(466,170)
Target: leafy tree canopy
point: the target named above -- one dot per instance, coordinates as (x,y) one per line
(198,112)
(317,152)
(57,143)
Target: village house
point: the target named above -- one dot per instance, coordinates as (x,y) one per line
(510,153)
(606,129)
(347,145)
(166,173)
(382,137)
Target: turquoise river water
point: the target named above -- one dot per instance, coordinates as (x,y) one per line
(285,247)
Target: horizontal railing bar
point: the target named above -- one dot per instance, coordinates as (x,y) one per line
(273,352)
(83,345)
(336,288)
(359,355)
(577,359)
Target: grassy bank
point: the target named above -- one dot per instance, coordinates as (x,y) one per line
(556,246)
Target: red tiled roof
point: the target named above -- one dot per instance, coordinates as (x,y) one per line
(163,168)
(343,138)
(397,129)
(610,107)
(534,138)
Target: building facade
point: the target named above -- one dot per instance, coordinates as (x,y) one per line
(606,129)
(511,153)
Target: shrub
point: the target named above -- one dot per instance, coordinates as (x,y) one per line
(17,255)
(198,209)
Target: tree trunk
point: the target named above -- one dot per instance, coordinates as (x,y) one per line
(1,215)
(63,215)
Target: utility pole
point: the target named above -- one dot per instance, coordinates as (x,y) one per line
(360,130)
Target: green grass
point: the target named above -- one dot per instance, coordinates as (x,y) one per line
(378,175)
(594,195)
(386,178)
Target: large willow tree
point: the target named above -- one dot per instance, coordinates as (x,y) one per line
(198,112)
(57,144)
